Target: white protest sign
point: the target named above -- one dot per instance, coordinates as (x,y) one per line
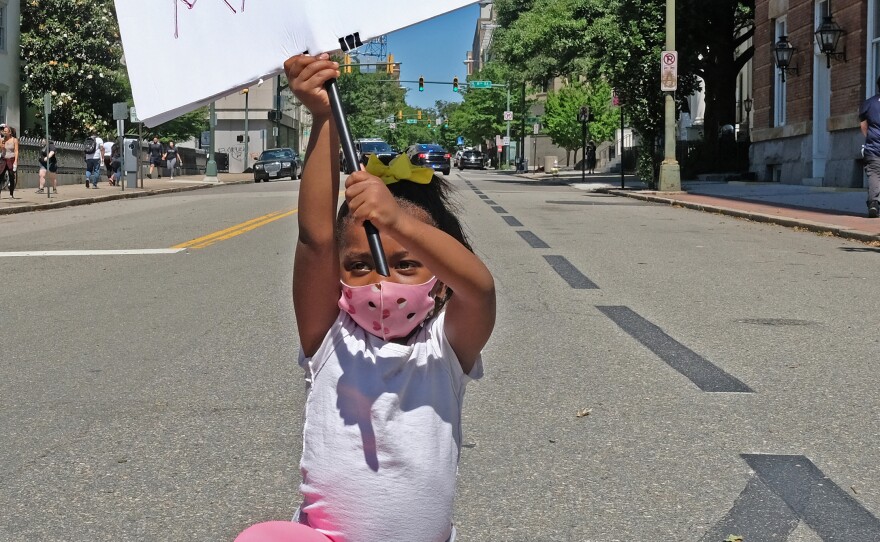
(222,46)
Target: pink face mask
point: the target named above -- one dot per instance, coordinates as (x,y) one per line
(388,310)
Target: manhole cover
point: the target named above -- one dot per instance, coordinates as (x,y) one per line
(777,322)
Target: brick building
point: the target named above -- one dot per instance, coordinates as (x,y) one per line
(805,127)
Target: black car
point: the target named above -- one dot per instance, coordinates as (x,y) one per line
(277,164)
(429,155)
(366,147)
(470,159)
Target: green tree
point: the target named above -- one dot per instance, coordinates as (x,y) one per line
(182,128)
(78,64)
(560,118)
(561,115)
(620,41)
(480,117)
(369,101)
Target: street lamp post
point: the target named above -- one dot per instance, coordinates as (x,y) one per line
(747,104)
(583,117)
(670,172)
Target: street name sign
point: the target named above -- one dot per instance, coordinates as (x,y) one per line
(412,121)
(481,84)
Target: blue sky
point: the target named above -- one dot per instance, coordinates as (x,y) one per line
(435,49)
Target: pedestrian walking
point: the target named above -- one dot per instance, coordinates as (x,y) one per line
(107,148)
(591,157)
(94,151)
(386,358)
(171,157)
(115,165)
(48,165)
(155,151)
(869,117)
(9,161)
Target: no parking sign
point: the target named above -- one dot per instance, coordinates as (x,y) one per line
(669,71)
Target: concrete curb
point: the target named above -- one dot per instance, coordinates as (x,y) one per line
(111,197)
(816,227)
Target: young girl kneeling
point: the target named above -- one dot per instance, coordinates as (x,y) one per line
(386,358)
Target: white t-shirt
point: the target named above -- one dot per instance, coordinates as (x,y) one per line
(382,435)
(99,145)
(108,148)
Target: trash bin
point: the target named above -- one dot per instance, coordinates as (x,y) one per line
(524,165)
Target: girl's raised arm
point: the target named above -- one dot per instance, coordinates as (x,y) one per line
(316,265)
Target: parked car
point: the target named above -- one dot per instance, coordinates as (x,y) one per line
(471,159)
(277,164)
(429,155)
(379,147)
(456,160)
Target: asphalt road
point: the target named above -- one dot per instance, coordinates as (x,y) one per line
(655,374)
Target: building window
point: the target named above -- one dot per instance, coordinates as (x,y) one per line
(3,107)
(873,64)
(3,27)
(779,94)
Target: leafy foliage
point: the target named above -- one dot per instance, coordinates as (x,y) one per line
(561,114)
(71,49)
(480,117)
(620,41)
(182,128)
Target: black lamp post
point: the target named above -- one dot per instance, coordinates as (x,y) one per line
(828,36)
(583,117)
(747,104)
(784,51)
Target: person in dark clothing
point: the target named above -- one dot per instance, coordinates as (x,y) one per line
(115,165)
(156,151)
(869,117)
(591,157)
(48,166)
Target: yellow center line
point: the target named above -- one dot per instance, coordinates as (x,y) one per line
(232,231)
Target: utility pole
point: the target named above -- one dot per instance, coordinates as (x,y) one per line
(522,129)
(246,132)
(507,148)
(211,167)
(670,173)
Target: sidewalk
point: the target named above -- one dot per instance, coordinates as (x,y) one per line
(838,211)
(26,199)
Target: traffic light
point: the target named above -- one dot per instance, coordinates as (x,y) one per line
(419,114)
(390,67)
(400,114)
(347,64)
(421,85)
(455,84)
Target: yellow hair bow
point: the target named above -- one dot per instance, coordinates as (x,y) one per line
(399,169)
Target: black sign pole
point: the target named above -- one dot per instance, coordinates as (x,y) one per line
(351,163)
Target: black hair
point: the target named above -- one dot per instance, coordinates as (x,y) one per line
(434,198)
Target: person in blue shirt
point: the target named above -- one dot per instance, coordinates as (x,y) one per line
(869,117)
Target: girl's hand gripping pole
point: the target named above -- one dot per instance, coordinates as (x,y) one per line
(351,165)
